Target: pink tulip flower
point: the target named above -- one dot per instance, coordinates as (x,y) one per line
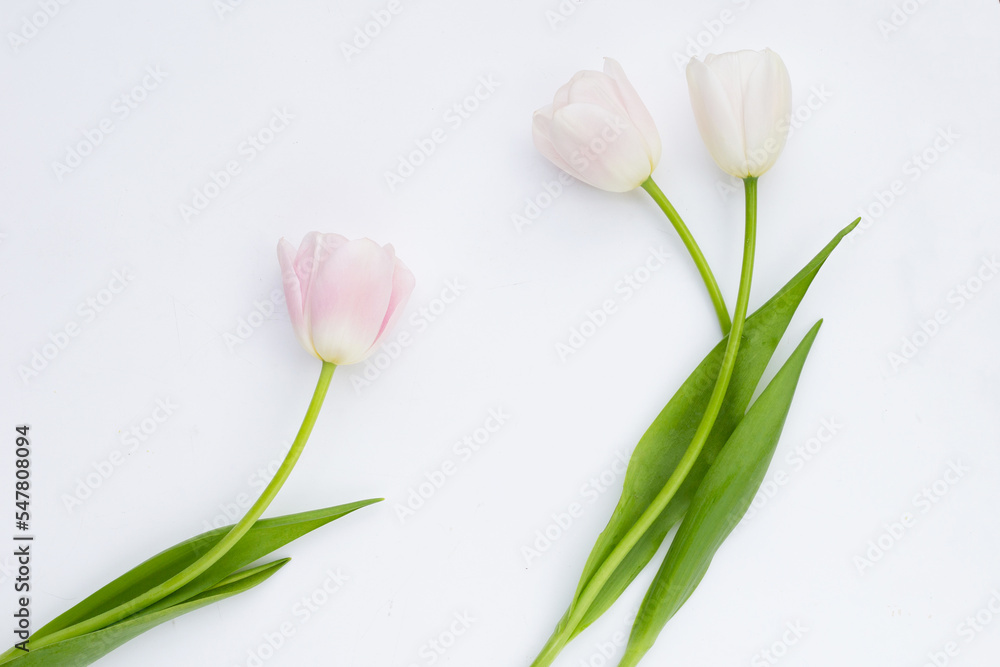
(343,296)
(598,130)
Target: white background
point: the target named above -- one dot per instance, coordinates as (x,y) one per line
(886,96)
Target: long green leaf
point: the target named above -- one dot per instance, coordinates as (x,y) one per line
(265,536)
(86,649)
(721,501)
(667,438)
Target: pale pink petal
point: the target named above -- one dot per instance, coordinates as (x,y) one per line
(605,149)
(635,108)
(348,300)
(306,261)
(330,242)
(289,279)
(293,294)
(315,249)
(561,98)
(588,131)
(402,286)
(598,89)
(541,135)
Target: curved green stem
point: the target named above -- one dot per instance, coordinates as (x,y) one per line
(185,576)
(617,555)
(692,247)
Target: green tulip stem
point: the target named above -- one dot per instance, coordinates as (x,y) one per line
(187,575)
(631,538)
(692,247)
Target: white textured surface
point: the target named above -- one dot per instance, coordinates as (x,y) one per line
(878,100)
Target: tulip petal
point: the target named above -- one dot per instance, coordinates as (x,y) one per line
(541,135)
(348,299)
(306,262)
(606,150)
(742,99)
(293,293)
(734,70)
(635,108)
(588,131)
(403,283)
(561,97)
(717,103)
(767,107)
(315,249)
(598,89)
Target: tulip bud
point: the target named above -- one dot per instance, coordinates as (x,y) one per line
(742,102)
(343,296)
(598,130)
